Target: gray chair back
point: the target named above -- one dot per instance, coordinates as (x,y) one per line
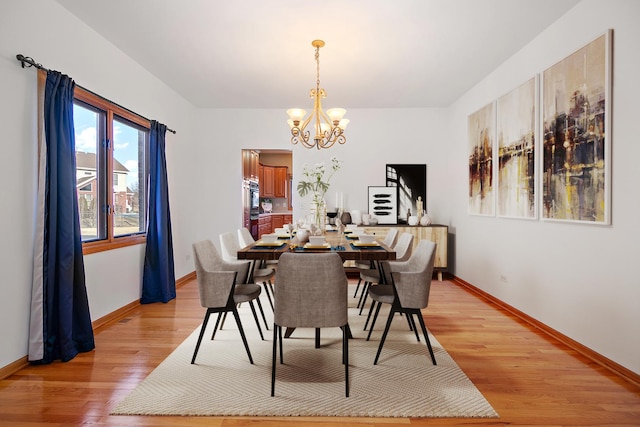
(412,278)
(310,291)
(215,277)
(211,269)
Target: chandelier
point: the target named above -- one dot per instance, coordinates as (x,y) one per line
(328,127)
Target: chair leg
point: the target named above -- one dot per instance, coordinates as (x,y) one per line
(365,294)
(280,338)
(355,294)
(244,338)
(273,359)
(412,325)
(345,357)
(384,334)
(266,291)
(375,317)
(426,338)
(215,328)
(369,315)
(317,337)
(264,318)
(365,287)
(204,326)
(255,316)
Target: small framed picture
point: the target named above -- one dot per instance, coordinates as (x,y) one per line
(383,204)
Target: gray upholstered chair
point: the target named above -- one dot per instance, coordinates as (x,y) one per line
(219,289)
(403,249)
(408,292)
(230,246)
(390,240)
(310,292)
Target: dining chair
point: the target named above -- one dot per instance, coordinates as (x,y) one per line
(408,292)
(230,246)
(403,249)
(221,287)
(310,292)
(245,239)
(390,241)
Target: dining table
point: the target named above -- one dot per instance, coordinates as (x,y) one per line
(349,248)
(344,244)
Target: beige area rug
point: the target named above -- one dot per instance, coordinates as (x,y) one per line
(311,382)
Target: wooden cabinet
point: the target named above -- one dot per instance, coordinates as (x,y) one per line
(266,185)
(435,233)
(264,225)
(277,221)
(268,223)
(280,181)
(273,181)
(250,165)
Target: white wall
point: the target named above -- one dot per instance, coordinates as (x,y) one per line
(45,31)
(578,279)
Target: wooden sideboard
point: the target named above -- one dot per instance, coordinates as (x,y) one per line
(435,233)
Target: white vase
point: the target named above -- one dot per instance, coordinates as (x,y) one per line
(425,220)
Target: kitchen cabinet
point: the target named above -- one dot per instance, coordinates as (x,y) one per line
(264,225)
(267,183)
(273,181)
(250,165)
(435,233)
(280,181)
(269,222)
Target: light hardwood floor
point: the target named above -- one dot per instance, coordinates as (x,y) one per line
(529,378)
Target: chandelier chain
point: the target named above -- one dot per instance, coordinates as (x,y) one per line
(318,68)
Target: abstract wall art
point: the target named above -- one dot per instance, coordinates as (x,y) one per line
(576,155)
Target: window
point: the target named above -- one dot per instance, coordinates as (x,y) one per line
(111,166)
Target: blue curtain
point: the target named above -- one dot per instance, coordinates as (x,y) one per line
(60,323)
(158,281)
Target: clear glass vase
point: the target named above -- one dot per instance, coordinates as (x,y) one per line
(319,216)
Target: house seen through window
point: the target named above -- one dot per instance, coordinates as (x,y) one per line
(111,165)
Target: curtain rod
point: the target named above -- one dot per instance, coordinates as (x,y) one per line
(31,63)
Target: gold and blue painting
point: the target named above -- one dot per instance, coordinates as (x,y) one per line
(576,153)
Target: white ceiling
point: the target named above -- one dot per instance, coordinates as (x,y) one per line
(378,53)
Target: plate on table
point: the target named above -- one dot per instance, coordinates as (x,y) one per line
(325,245)
(365,245)
(269,244)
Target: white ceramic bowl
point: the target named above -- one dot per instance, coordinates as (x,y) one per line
(316,240)
(366,238)
(269,238)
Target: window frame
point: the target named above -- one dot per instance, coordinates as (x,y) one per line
(111,111)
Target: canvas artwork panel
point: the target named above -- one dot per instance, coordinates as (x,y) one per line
(576,146)
(383,204)
(411,182)
(516,124)
(481,130)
